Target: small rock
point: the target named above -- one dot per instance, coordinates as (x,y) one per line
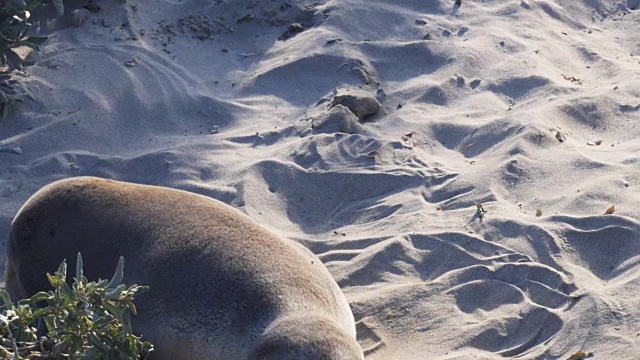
(79,17)
(131,62)
(338,119)
(33,58)
(92,7)
(361,103)
(247,18)
(293,30)
(53,64)
(204,33)
(362,74)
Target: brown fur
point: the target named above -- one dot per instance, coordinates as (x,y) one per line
(221,286)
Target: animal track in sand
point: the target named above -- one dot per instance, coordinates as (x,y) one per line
(367,337)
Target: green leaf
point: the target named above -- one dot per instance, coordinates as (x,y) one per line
(41,312)
(68,293)
(133,345)
(115,293)
(102,323)
(38,40)
(41,296)
(93,339)
(92,353)
(66,334)
(137,289)
(118,275)
(62,269)
(32,4)
(79,268)
(76,344)
(50,322)
(86,306)
(58,348)
(6,299)
(132,306)
(114,310)
(59,5)
(52,280)
(126,323)
(13,59)
(24,30)
(147,347)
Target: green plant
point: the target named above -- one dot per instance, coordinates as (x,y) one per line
(14,26)
(87,320)
(10,93)
(32,4)
(14,29)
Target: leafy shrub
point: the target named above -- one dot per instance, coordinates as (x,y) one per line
(14,28)
(29,5)
(88,320)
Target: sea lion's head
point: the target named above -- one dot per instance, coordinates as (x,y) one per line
(308,337)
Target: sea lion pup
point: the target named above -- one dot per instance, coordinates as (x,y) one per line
(221,286)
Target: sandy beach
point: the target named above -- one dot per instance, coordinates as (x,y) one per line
(468,172)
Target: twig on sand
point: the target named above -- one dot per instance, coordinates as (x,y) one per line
(480,208)
(11,149)
(253,53)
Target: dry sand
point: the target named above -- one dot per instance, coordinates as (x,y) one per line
(227,99)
